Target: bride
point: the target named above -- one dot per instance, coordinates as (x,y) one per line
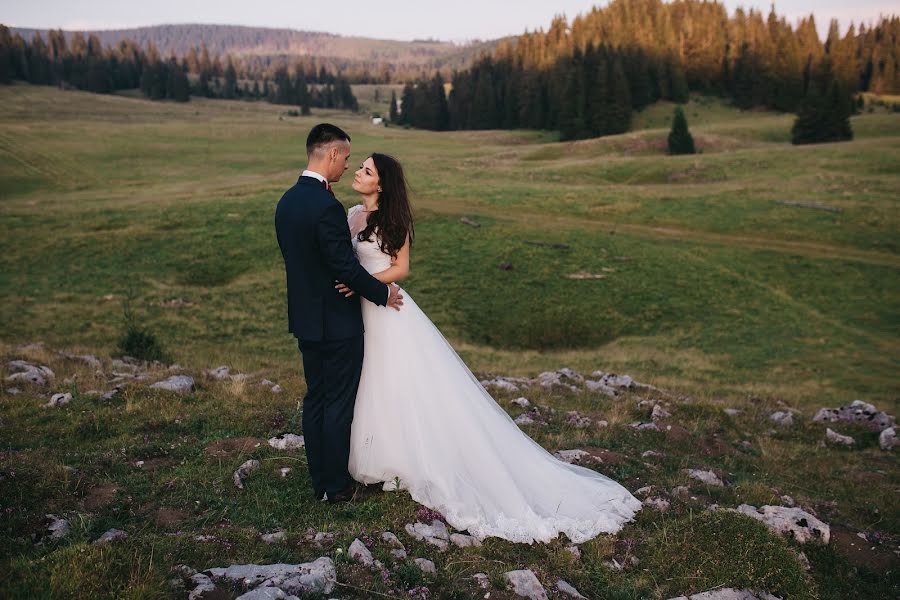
(424,423)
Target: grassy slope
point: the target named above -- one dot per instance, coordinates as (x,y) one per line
(716,290)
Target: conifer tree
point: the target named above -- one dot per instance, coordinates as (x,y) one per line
(393,110)
(680,139)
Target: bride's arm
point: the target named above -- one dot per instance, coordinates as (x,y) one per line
(399,268)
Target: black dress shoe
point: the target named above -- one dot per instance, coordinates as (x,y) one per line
(345,495)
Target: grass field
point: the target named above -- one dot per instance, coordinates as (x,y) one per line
(755,274)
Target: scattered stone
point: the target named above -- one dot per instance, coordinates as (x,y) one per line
(106,397)
(180,384)
(500,383)
(571,456)
(13,391)
(435,534)
(564,377)
(288,441)
(574,550)
(857,412)
(464,541)
(482,580)
(267,593)
(888,438)
(707,477)
(643,491)
(58,400)
(113,535)
(597,386)
(399,553)
(660,504)
(276,389)
(204,585)
(219,373)
(836,438)
(526,584)
(782,418)
(791,522)
(360,553)
(660,413)
(469,222)
(244,471)
(283,471)
(804,561)
(732,411)
(522,401)
(642,426)
(680,490)
(651,453)
(524,419)
(391,539)
(59,528)
(568,590)
(322,538)
(425,565)
(787,500)
(585,275)
(316,577)
(615,381)
(577,420)
(26,372)
(729,594)
(274,537)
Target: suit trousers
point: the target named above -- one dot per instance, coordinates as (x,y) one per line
(332,369)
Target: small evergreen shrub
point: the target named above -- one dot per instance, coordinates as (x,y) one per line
(680,139)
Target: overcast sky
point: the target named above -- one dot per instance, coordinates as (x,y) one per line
(392,19)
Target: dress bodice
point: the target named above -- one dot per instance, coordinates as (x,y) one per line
(369,252)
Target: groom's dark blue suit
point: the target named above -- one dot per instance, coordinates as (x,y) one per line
(314,238)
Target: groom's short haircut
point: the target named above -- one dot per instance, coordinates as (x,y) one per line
(322,135)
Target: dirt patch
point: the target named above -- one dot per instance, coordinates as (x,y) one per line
(607,457)
(862,553)
(713,446)
(677,433)
(100,496)
(166,517)
(233,446)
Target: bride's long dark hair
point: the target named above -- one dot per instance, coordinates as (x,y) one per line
(393,219)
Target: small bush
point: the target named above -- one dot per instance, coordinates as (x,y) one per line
(680,139)
(138,341)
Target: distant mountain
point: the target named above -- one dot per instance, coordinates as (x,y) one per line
(266,44)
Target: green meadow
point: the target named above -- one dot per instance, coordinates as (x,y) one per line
(755,274)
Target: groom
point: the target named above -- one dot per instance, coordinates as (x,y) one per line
(315,242)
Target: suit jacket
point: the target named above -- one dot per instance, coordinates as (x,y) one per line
(314,238)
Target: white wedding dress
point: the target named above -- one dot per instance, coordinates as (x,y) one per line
(423,419)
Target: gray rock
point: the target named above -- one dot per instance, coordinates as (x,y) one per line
(732,411)
(425,565)
(13,391)
(728,594)
(577,420)
(651,453)
(572,456)
(360,553)
(398,553)
(274,537)
(113,535)
(574,550)
(524,420)
(500,383)
(522,401)
(288,441)
(482,580)
(59,528)
(276,389)
(391,539)
(707,477)
(464,541)
(283,471)
(565,378)
(267,593)
(58,400)
(642,426)
(244,471)
(614,381)
(568,590)
(600,387)
(788,501)
(888,438)
(526,584)
(660,413)
(29,373)
(834,437)
(435,534)
(219,373)
(204,585)
(180,384)
(782,418)
(680,490)
(317,577)
(88,359)
(111,394)
(791,522)
(643,491)
(660,504)
(857,412)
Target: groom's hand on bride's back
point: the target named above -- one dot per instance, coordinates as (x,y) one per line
(395,298)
